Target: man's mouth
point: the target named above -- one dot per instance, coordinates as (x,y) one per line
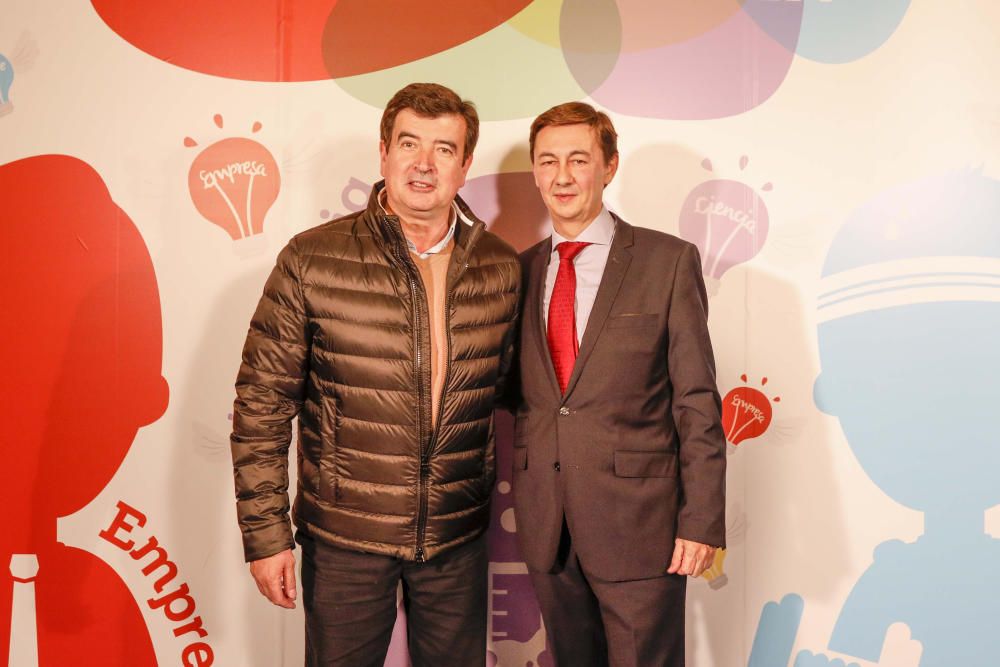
(421,186)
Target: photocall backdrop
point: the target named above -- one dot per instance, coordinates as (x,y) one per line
(835,161)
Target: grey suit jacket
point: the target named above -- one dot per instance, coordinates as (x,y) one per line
(634,453)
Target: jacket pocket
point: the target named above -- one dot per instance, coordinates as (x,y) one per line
(328,451)
(520,458)
(521,442)
(645,464)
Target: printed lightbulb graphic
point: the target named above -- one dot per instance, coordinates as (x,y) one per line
(746,412)
(714,575)
(736,528)
(727,220)
(233,183)
(6,80)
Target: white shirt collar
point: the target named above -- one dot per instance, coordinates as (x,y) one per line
(600,232)
(456,214)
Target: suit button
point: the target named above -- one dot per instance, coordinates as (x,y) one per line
(564,411)
(555,466)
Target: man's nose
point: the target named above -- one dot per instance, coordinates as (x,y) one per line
(564,176)
(425,160)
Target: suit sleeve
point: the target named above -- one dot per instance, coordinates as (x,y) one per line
(269,393)
(696,407)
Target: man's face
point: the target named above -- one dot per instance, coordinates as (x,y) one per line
(571,172)
(424,164)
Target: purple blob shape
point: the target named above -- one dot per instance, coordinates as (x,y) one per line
(728,70)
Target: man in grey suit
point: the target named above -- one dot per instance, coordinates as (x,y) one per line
(619,453)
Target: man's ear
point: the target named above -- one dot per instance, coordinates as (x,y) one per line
(465,168)
(383,155)
(610,170)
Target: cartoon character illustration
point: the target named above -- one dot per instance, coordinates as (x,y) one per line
(82,348)
(909,311)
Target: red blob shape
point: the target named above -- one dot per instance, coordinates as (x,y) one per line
(255,41)
(85,613)
(359,37)
(306,40)
(746,413)
(81,360)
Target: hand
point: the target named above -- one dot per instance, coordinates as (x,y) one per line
(690,558)
(275,577)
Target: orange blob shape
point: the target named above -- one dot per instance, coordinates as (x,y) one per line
(358,39)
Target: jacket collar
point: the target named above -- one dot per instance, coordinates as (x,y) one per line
(388,232)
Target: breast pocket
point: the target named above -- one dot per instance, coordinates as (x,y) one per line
(632,335)
(632,321)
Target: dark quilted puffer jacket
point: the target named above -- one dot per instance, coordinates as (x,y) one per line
(341,340)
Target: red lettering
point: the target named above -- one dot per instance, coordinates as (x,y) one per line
(160,560)
(193,626)
(119,523)
(167,602)
(177,605)
(198,654)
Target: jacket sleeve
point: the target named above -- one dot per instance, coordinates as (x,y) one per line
(269,393)
(696,407)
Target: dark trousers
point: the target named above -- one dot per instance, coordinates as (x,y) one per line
(594,623)
(350,606)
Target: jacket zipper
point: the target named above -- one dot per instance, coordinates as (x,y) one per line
(425,453)
(424,458)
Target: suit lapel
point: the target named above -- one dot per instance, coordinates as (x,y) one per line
(534,322)
(614,273)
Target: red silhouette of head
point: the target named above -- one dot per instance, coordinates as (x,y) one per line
(81,344)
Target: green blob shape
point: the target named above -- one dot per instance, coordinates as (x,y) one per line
(539,21)
(507,74)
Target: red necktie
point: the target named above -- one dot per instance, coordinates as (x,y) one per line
(561,333)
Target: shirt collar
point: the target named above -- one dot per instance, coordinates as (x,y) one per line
(600,232)
(440,245)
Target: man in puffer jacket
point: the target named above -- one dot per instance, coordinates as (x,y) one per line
(388,334)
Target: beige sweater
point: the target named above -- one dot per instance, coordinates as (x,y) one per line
(434,271)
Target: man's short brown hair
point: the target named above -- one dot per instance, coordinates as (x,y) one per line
(432,100)
(575,113)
